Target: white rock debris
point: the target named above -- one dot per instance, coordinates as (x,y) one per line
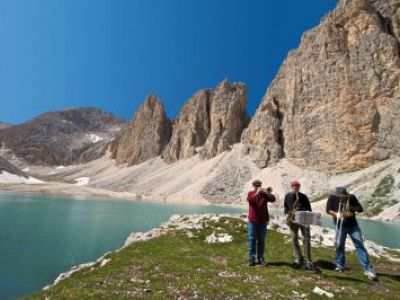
(321,292)
(218,238)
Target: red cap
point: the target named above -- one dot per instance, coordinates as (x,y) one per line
(295,183)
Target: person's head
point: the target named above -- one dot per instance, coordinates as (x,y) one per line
(341,192)
(295,185)
(256,184)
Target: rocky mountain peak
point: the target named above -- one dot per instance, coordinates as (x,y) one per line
(146,135)
(209,123)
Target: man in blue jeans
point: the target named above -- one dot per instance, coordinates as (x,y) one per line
(343,207)
(258,218)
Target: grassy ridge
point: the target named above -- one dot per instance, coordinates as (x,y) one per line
(181,265)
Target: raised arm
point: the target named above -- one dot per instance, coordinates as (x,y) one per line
(329,207)
(271,198)
(355,205)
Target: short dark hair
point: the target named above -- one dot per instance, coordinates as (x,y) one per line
(256,182)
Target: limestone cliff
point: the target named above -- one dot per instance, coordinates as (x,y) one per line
(146,135)
(334,101)
(209,123)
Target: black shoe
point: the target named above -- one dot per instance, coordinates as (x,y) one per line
(298,263)
(252,262)
(261,262)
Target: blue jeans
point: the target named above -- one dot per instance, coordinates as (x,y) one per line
(356,237)
(257,234)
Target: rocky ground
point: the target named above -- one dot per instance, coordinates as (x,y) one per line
(155,265)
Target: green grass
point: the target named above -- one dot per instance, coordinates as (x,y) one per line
(178,266)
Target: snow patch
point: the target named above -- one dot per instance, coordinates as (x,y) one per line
(10,178)
(94,138)
(82,181)
(60,167)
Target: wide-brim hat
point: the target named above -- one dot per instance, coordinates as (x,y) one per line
(340,191)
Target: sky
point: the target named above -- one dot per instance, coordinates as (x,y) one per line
(110,54)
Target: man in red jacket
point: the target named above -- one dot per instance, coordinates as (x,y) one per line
(258,217)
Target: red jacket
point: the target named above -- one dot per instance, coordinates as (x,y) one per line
(258,208)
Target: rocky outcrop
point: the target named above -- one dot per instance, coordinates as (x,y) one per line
(334,101)
(228,118)
(10,168)
(62,138)
(191,129)
(146,135)
(209,123)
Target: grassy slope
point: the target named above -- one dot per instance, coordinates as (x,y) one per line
(176,265)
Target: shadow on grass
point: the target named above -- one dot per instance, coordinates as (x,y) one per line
(345,278)
(325,264)
(395,277)
(280,264)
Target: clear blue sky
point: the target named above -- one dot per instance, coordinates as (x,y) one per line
(57,54)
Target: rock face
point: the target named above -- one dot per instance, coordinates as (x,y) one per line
(212,120)
(146,136)
(191,129)
(10,168)
(62,138)
(334,103)
(228,118)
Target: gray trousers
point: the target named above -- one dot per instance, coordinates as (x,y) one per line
(305,232)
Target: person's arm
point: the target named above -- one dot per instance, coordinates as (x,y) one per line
(355,205)
(286,204)
(329,208)
(307,204)
(270,198)
(251,197)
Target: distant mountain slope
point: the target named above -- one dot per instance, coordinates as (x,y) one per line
(63,137)
(4,125)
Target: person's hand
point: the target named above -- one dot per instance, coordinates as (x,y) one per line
(339,216)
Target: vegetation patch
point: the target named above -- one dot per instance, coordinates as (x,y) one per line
(384,187)
(181,266)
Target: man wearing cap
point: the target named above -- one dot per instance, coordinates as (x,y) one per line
(258,217)
(297,201)
(343,207)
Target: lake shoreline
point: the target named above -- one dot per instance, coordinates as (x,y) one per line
(87,192)
(321,239)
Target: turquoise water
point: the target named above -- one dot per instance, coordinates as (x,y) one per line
(43,236)
(386,234)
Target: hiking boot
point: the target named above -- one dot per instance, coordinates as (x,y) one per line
(252,262)
(339,269)
(371,275)
(298,263)
(261,261)
(310,267)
